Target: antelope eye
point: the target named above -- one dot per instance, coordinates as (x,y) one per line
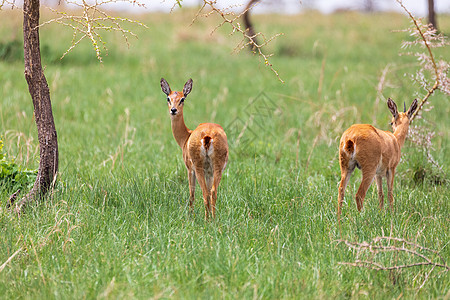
(168,99)
(392,123)
(182,100)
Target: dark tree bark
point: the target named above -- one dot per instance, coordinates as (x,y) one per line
(249,25)
(369,6)
(432,14)
(40,94)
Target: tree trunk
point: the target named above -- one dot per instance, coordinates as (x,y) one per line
(248,24)
(431,14)
(40,94)
(369,6)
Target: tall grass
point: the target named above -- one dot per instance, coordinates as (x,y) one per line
(117,225)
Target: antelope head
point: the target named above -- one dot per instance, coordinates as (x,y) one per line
(175,100)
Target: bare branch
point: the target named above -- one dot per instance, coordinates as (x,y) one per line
(91,21)
(368,255)
(431,76)
(427,37)
(248,23)
(248,39)
(11,3)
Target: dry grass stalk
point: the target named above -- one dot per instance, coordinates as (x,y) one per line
(380,86)
(10,258)
(126,141)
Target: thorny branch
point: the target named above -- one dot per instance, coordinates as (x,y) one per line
(432,75)
(248,39)
(11,3)
(248,23)
(91,21)
(427,37)
(368,255)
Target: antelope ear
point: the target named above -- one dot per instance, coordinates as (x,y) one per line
(165,87)
(187,87)
(392,107)
(412,108)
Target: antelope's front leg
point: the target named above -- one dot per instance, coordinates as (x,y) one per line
(191,176)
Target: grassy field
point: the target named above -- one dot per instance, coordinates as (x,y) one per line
(117,225)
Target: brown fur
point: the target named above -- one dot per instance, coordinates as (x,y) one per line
(375,152)
(205,149)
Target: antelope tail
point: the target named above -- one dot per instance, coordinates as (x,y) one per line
(207,145)
(207,142)
(349,146)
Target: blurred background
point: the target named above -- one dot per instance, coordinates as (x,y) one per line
(418,7)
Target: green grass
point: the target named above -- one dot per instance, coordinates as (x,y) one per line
(117,225)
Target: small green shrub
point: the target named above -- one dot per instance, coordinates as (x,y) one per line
(423,172)
(11,51)
(12,176)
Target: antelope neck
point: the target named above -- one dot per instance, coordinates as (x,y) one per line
(400,133)
(180,132)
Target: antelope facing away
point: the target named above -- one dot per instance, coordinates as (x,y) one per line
(205,149)
(375,152)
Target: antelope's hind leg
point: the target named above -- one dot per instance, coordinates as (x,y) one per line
(215,187)
(347,168)
(345,177)
(206,192)
(368,174)
(191,176)
(380,190)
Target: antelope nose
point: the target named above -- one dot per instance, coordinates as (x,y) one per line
(173,110)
